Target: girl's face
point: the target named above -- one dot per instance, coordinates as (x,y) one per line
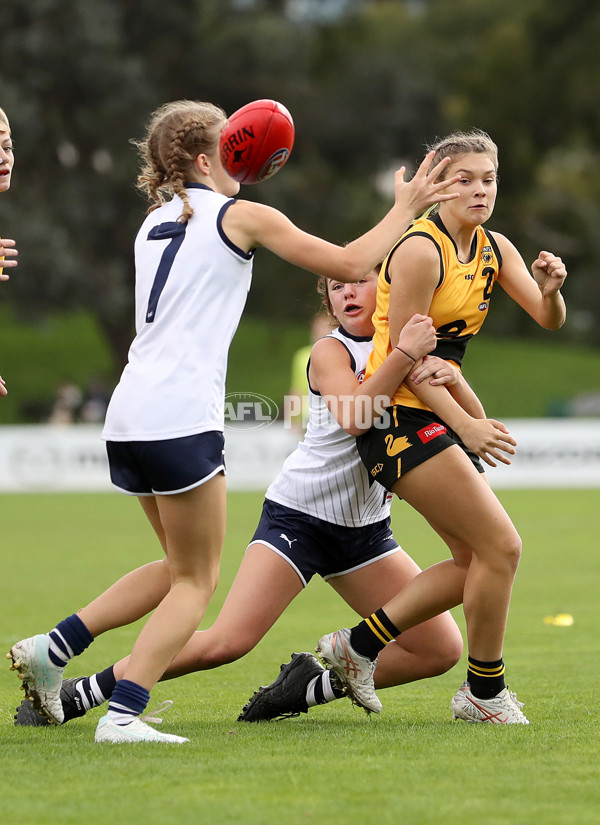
(477,189)
(6,157)
(354,304)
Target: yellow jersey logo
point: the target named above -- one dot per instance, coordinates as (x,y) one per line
(396,445)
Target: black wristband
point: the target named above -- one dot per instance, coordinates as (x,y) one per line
(407,355)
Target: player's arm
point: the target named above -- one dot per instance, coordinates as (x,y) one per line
(355,405)
(438,372)
(414,269)
(8,256)
(3,390)
(538,293)
(250,225)
(488,438)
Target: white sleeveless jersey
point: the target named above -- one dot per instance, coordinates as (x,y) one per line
(191,287)
(325,477)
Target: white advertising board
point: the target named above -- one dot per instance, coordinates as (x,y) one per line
(73,458)
(551,453)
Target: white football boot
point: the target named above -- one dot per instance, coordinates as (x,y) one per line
(503,709)
(355,671)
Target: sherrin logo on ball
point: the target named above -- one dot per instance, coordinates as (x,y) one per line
(257,140)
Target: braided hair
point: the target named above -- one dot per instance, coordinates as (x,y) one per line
(177,133)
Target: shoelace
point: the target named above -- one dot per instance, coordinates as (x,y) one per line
(513,697)
(150,717)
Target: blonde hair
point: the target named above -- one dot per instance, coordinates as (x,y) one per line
(4,118)
(463,143)
(177,133)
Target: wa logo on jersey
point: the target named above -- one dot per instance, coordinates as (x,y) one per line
(487,255)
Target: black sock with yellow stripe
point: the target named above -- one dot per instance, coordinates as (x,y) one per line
(486,678)
(375,632)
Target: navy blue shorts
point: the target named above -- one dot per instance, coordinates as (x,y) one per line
(147,468)
(312,545)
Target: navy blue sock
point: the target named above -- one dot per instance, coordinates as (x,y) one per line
(95,690)
(106,681)
(69,638)
(127,701)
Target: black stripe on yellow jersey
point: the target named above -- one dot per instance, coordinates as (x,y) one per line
(460,301)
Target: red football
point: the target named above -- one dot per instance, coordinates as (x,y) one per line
(257,140)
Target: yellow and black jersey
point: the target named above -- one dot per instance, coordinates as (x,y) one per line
(459,304)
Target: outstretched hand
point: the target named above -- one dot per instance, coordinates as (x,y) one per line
(424,190)
(3,390)
(549,273)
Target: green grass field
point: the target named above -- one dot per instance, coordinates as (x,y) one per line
(410,765)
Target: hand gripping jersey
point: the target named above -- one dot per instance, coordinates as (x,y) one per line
(191,288)
(460,302)
(325,477)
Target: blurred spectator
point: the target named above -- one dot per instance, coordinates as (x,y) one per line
(95,402)
(67,402)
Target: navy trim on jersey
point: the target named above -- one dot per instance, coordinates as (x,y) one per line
(311,389)
(247,256)
(359,338)
(352,359)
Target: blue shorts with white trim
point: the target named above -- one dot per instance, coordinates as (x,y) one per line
(311,545)
(175,465)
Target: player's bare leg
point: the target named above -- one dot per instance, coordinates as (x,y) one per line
(426,650)
(458,503)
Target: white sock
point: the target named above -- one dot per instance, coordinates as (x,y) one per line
(319,690)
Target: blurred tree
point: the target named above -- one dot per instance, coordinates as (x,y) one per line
(527,73)
(368,89)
